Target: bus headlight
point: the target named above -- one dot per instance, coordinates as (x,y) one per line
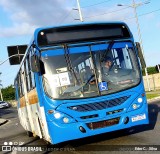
(136,104)
(59,117)
(140,100)
(65,120)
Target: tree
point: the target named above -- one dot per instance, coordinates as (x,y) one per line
(8,93)
(150,70)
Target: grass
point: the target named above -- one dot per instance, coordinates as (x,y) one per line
(152,94)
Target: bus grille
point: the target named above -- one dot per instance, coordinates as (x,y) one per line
(99,105)
(102,124)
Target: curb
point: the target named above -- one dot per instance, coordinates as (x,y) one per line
(3,122)
(153,99)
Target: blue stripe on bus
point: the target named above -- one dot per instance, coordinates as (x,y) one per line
(86,49)
(99,47)
(122,45)
(79,49)
(54,52)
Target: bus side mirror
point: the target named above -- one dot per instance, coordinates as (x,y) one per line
(140,55)
(35,64)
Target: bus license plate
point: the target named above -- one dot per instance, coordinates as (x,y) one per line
(138,117)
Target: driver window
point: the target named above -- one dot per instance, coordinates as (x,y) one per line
(121,58)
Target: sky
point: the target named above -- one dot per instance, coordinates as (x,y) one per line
(19,19)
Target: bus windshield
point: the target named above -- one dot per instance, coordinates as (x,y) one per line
(90,70)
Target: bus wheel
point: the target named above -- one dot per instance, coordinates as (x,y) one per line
(30,134)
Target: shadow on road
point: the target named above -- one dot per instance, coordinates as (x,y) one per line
(153,115)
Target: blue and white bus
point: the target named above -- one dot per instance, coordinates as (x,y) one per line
(62,90)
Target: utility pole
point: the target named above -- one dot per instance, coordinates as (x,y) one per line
(134,6)
(158,68)
(140,39)
(0,89)
(79,11)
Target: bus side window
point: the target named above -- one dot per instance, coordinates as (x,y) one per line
(31,74)
(27,73)
(33,80)
(21,87)
(18,86)
(30,83)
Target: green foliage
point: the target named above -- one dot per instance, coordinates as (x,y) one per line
(150,70)
(150,96)
(8,93)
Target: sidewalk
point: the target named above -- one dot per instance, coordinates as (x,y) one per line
(153,99)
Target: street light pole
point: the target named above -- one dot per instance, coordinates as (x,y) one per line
(134,6)
(11,57)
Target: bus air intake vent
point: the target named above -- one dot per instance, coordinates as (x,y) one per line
(89,116)
(99,105)
(102,124)
(113,112)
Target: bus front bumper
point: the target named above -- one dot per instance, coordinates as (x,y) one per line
(77,130)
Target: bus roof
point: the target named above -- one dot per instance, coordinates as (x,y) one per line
(79,24)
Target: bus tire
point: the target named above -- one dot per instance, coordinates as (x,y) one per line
(30,134)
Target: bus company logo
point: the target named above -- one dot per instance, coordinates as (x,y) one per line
(7,146)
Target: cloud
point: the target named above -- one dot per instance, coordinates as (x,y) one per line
(28,14)
(17,29)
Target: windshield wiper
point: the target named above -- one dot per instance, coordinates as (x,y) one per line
(107,50)
(69,63)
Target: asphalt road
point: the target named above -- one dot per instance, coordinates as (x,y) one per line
(145,136)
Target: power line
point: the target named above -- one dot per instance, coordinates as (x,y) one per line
(95,4)
(66,15)
(120,10)
(142,14)
(107,12)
